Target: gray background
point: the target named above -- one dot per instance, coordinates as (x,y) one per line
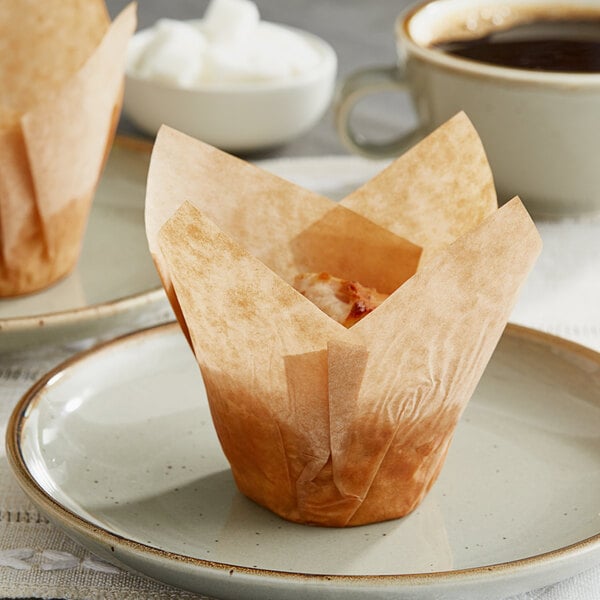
(362,34)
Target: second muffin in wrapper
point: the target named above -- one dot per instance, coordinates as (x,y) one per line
(62,66)
(322,424)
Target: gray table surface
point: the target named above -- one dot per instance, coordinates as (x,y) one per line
(362,34)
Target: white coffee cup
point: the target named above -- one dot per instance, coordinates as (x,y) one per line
(540,129)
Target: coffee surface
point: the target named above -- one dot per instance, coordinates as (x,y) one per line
(550,45)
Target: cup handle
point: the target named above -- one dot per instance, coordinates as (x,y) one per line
(373,80)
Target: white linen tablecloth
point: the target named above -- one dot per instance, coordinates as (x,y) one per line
(562,296)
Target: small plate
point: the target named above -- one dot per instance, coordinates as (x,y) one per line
(115,279)
(118,448)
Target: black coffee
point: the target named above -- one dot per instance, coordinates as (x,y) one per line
(571,46)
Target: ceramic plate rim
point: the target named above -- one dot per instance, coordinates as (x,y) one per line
(100,534)
(93,311)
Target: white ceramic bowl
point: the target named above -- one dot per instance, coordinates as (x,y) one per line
(236,117)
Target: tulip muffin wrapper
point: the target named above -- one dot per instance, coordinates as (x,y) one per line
(52,157)
(322,424)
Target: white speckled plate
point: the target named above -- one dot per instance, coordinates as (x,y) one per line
(115,280)
(118,448)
